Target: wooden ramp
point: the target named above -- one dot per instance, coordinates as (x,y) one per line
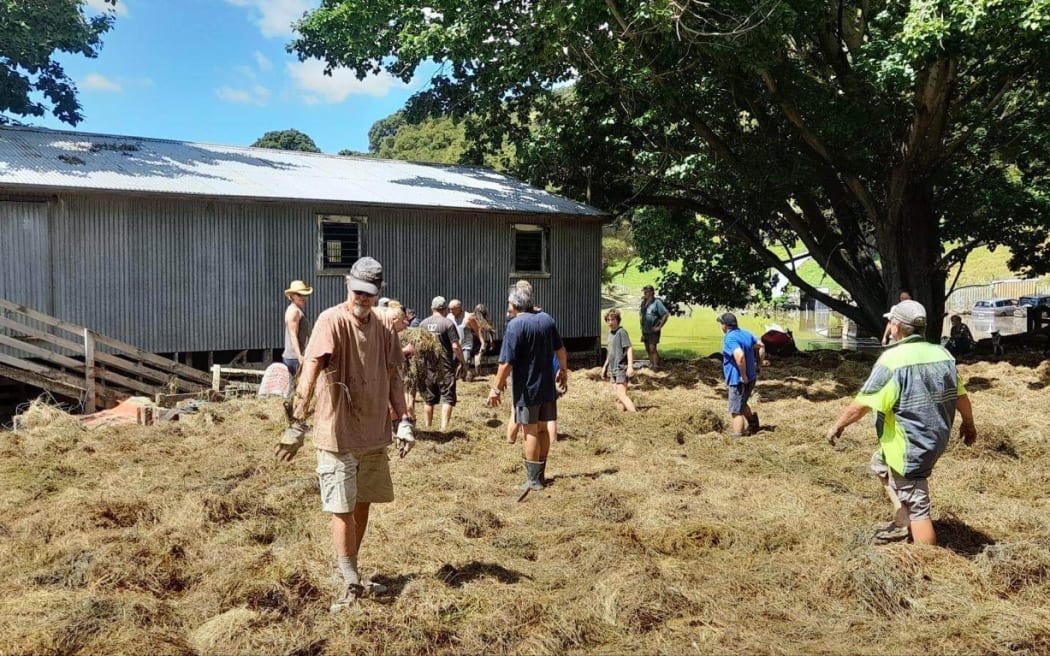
(72,361)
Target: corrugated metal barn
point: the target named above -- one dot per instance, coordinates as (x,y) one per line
(182,247)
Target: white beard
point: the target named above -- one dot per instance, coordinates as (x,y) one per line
(360,311)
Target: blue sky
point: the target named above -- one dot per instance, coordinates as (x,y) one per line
(216,71)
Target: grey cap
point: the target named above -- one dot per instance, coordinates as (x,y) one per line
(728,319)
(439,303)
(366,276)
(383,302)
(909,313)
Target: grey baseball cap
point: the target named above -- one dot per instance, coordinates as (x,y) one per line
(366,276)
(909,313)
(439,303)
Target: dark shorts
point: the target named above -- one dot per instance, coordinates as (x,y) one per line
(534,414)
(468,355)
(619,378)
(441,389)
(650,338)
(739,395)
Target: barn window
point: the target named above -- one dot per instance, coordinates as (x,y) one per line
(341,242)
(531,249)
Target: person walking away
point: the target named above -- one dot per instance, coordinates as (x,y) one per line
(441,386)
(619,363)
(296,327)
(904,296)
(351,368)
(470,338)
(739,350)
(915,391)
(653,314)
(529,345)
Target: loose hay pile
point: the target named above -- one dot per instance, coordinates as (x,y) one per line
(657,535)
(425,357)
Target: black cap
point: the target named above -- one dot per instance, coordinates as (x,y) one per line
(728,319)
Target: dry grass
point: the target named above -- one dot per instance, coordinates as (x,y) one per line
(657,535)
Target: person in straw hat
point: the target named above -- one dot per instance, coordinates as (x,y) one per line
(296,327)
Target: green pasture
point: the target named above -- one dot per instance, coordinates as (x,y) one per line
(697,333)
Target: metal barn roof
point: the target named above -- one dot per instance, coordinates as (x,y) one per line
(36,158)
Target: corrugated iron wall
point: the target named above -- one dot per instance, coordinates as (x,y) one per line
(192,275)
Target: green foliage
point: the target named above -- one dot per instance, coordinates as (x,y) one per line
(886,139)
(32,81)
(287,140)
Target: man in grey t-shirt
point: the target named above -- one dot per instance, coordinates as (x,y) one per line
(441,386)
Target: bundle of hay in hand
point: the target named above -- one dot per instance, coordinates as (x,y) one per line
(426,357)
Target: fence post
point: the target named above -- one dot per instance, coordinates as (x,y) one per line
(89,371)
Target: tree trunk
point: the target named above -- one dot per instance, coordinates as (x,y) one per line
(910,248)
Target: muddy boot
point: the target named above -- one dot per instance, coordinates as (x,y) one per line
(533,473)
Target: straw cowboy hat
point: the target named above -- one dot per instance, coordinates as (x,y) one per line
(298,287)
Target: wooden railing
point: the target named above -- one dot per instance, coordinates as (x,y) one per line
(73,361)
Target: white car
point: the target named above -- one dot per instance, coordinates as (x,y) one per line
(996,307)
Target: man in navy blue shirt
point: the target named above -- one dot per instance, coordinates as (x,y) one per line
(530,347)
(739,349)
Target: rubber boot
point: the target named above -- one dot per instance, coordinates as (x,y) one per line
(542,478)
(533,472)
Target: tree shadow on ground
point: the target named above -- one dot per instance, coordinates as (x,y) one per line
(608,471)
(793,387)
(437,436)
(979,383)
(959,537)
(457,577)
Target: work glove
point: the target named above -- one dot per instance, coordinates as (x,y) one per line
(290,441)
(405,438)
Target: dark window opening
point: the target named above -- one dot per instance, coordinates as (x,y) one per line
(341,242)
(531,249)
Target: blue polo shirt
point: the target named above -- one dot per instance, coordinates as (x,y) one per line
(529,346)
(738,338)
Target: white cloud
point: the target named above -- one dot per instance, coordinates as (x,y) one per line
(253,95)
(262,62)
(96,82)
(104,7)
(275,17)
(309,76)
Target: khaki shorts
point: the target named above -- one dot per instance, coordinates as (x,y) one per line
(353,477)
(913,493)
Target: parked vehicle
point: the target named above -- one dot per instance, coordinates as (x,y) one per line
(1034,300)
(999,307)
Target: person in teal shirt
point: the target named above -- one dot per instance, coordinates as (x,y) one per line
(653,314)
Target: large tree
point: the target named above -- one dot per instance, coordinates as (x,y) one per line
(32,32)
(887,138)
(290,139)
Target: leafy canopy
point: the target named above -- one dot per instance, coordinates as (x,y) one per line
(32,32)
(287,140)
(873,133)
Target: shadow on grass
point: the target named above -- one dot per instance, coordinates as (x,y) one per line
(959,537)
(427,435)
(608,471)
(788,388)
(979,383)
(457,577)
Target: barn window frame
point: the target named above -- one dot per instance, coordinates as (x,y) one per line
(526,264)
(334,234)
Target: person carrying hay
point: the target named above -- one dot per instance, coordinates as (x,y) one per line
(351,368)
(915,391)
(529,346)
